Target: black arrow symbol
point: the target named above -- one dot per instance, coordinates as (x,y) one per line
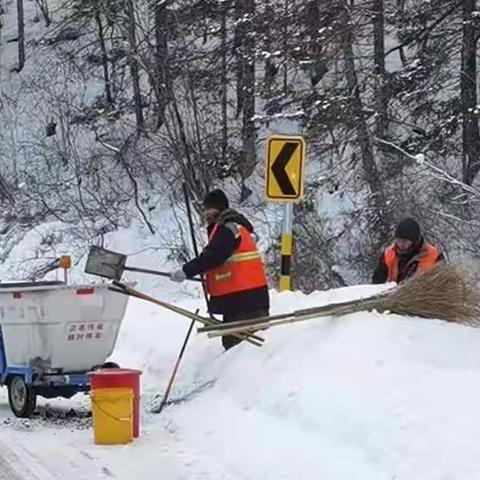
(279,165)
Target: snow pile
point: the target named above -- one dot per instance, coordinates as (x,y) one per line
(365,396)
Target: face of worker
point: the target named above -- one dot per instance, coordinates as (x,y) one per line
(210,215)
(403,245)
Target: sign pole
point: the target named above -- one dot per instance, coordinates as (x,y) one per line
(287,248)
(284,183)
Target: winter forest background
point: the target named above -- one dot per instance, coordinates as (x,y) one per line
(108,106)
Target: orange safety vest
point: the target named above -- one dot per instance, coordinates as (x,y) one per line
(427,258)
(242,271)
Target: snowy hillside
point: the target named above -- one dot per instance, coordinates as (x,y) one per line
(366,396)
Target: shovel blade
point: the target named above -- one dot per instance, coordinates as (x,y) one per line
(105,263)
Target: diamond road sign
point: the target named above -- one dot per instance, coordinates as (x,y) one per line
(284,169)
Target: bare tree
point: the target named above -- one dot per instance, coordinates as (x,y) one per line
(224,76)
(381,215)
(379,56)
(133,62)
(103,49)
(161,80)
(43,5)
(468,85)
(21,35)
(245,52)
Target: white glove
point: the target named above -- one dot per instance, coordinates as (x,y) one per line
(178,276)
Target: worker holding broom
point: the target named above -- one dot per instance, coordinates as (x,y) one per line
(235,274)
(408,254)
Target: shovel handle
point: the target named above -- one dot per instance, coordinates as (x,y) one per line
(127,290)
(156,272)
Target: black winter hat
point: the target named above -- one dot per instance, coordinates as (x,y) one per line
(216,199)
(408,229)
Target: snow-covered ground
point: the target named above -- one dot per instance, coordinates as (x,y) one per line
(362,397)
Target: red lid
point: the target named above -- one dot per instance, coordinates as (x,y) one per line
(115,371)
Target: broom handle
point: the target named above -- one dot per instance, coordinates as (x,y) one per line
(299,316)
(253,339)
(246,323)
(273,318)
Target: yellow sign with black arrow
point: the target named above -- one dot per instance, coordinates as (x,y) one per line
(284,169)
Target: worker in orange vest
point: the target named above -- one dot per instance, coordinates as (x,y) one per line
(408,254)
(235,275)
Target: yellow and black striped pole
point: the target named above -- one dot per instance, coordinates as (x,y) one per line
(287,249)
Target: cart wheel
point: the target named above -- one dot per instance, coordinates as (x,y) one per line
(21,397)
(110,365)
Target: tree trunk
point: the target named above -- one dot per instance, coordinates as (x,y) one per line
(468,85)
(248,88)
(381,98)
(314,43)
(270,67)
(103,48)
(43,4)
(224,80)
(21,35)
(401,21)
(381,214)
(285,46)
(134,71)
(204,169)
(162,77)
(238,41)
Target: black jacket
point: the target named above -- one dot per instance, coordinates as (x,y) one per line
(406,267)
(219,249)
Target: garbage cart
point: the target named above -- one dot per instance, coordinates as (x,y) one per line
(51,335)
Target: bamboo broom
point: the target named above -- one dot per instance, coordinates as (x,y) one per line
(446,292)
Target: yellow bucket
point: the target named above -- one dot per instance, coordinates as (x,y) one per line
(112,410)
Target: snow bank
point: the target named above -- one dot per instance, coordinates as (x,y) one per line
(365,396)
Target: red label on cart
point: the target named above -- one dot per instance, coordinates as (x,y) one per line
(85,291)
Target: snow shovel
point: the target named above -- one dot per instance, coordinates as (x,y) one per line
(108,264)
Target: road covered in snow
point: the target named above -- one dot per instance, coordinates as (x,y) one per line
(11,465)
(365,396)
